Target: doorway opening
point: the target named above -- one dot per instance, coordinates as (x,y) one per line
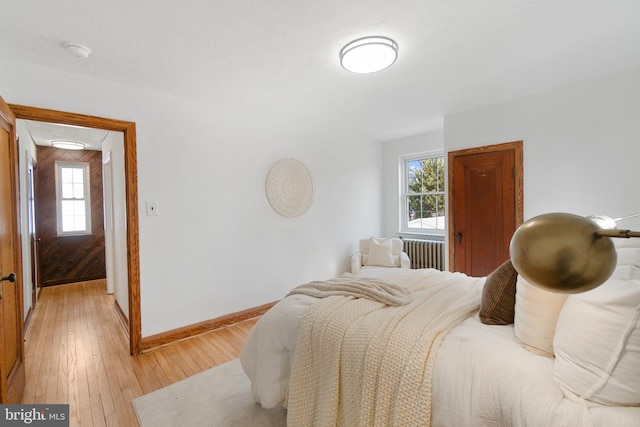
(128,131)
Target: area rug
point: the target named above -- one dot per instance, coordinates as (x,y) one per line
(220,396)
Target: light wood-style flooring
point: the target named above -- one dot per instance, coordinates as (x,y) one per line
(77,352)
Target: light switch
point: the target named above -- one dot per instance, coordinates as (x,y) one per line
(152,208)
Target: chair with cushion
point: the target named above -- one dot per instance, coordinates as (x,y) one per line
(377,252)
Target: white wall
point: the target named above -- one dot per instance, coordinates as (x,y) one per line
(392,153)
(581,145)
(217,246)
(26,150)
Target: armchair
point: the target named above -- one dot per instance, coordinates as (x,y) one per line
(378,252)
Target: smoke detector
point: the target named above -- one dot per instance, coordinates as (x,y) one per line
(77,50)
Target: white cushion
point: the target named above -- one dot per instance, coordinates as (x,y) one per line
(597,344)
(628,259)
(628,251)
(535,318)
(380,253)
(621,242)
(626,272)
(630,256)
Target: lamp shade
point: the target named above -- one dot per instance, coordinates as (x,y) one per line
(562,252)
(369,54)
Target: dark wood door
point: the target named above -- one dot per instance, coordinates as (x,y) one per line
(485,206)
(12,374)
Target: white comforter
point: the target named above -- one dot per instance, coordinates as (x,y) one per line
(482,376)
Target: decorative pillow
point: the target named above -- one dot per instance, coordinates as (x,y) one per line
(628,251)
(628,260)
(497,306)
(628,256)
(597,344)
(626,272)
(380,253)
(626,243)
(536,315)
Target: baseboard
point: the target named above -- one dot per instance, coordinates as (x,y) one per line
(164,338)
(69,280)
(121,316)
(27,320)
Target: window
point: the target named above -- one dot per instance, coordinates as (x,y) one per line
(423,198)
(73,205)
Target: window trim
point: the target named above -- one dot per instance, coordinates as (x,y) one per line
(87,197)
(402,202)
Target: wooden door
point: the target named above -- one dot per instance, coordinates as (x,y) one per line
(12,374)
(485,206)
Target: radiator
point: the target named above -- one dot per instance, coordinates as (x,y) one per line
(425,253)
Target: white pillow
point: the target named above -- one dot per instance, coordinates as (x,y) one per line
(627,256)
(535,318)
(380,253)
(597,344)
(628,251)
(628,260)
(626,272)
(621,242)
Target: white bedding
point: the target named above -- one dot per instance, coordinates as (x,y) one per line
(482,376)
(267,354)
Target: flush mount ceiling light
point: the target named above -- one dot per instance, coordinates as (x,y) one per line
(68,145)
(77,50)
(369,54)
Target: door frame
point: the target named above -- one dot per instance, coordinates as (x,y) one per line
(12,382)
(31,166)
(131,194)
(517,148)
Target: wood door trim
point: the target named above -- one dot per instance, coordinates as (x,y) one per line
(517,148)
(131,195)
(17,373)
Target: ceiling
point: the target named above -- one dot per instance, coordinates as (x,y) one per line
(280,58)
(43,133)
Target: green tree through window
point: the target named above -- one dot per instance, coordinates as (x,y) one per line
(424,194)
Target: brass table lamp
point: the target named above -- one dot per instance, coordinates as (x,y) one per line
(562,252)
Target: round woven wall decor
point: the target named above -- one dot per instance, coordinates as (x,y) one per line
(289,187)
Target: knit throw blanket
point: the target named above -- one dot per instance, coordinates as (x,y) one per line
(360,363)
(357,287)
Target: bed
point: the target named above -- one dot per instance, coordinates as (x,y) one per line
(333,361)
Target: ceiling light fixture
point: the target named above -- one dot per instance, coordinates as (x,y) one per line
(369,54)
(68,145)
(77,50)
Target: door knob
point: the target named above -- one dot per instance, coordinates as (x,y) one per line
(11,278)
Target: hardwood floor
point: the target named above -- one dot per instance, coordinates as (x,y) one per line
(76,352)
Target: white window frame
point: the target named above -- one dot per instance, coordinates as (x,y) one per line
(87,197)
(404,186)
